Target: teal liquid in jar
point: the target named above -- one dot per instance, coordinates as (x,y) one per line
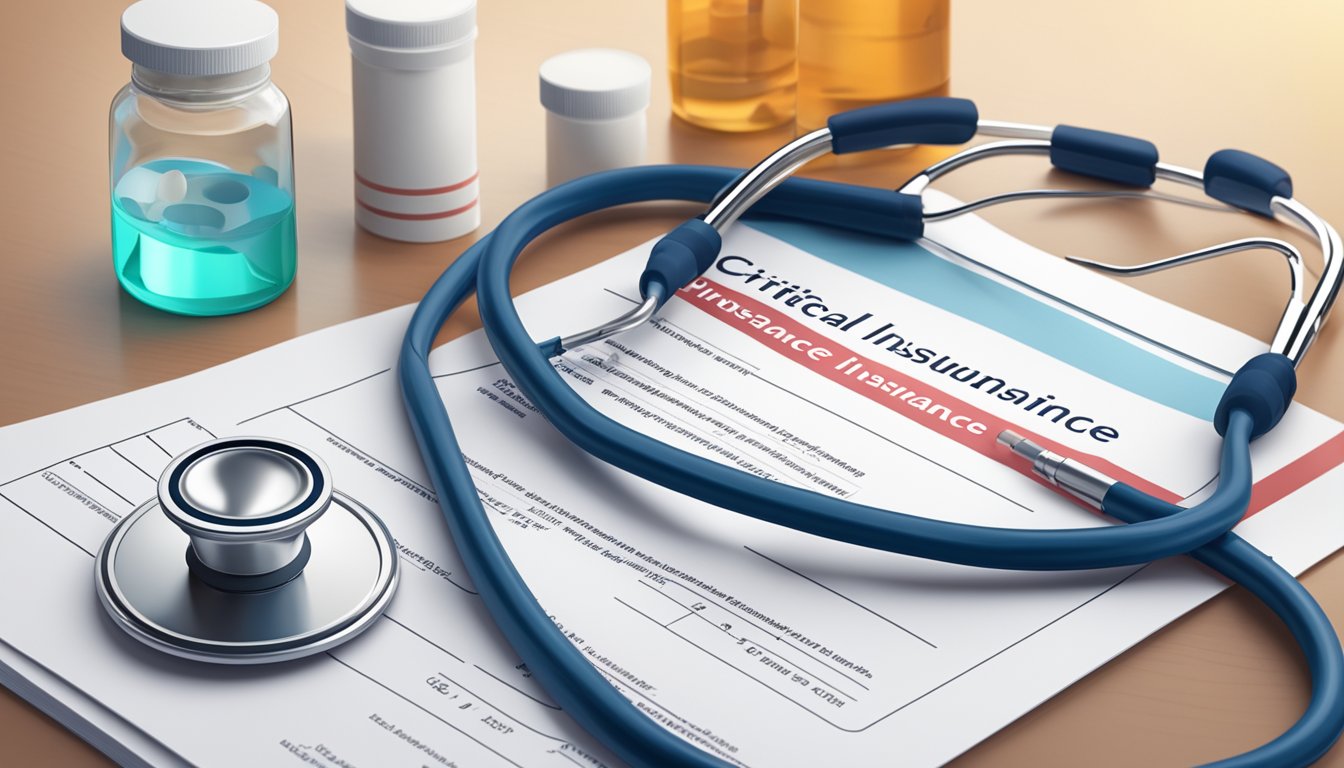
(198,238)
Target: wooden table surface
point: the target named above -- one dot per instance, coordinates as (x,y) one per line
(1193,76)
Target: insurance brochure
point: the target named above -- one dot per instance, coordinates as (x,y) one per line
(861,368)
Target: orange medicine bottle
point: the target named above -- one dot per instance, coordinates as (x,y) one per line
(855,53)
(733,63)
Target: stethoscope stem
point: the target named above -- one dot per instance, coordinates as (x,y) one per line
(629,321)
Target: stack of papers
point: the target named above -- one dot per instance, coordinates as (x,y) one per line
(871,370)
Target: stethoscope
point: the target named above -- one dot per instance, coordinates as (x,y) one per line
(1256,398)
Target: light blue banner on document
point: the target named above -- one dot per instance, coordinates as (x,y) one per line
(921,274)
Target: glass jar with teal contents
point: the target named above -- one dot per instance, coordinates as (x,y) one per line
(202,160)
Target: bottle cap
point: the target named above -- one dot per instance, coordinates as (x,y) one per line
(200,37)
(410,24)
(595,84)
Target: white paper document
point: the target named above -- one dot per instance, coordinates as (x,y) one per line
(855,367)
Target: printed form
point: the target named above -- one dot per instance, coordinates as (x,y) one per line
(874,371)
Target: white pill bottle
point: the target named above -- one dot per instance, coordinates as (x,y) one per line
(414,85)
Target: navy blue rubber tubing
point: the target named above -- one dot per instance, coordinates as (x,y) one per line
(587,696)
(797,508)
(1319,726)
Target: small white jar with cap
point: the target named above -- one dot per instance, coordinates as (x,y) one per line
(596,102)
(414,85)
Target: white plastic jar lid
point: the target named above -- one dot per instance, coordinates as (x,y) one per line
(595,84)
(410,24)
(200,37)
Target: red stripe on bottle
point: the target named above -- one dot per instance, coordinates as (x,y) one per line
(416,192)
(418,216)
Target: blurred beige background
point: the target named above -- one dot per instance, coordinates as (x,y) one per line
(1192,76)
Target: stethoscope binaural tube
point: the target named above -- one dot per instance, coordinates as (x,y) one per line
(561,669)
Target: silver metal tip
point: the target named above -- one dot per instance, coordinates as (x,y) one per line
(1100,266)
(1022,446)
(1078,479)
(634,318)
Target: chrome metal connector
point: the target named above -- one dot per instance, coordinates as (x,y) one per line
(626,322)
(1078,479)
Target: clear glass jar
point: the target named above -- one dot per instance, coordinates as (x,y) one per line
(202,180)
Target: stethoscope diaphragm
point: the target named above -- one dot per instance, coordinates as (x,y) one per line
(247,555)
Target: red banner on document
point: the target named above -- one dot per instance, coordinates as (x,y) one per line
(949,416)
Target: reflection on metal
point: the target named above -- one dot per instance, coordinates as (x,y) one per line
(629,321)
(246,556)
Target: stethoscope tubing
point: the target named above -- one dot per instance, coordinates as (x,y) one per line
(1238,560)
(561,668)
(799,508)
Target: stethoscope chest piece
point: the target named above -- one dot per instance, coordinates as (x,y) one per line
(247,555)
